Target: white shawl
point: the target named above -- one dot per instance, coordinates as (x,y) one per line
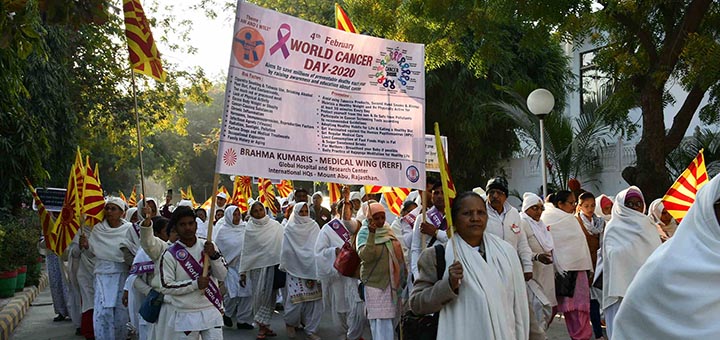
(263,243)
(571,249)
(655,211)
(492,300)
(298,247)
(630,238)
(230,237)
(674,294)
(542,234)
(598,207)
(106,242)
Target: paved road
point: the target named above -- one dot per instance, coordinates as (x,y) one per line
(38,325)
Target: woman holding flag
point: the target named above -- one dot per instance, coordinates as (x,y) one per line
(481,294)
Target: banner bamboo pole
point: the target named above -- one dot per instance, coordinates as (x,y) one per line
(139,137)
(211,218)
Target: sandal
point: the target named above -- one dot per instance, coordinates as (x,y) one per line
(260,336)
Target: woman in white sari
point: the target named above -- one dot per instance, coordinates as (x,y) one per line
(630,238)
(260,255)
(230,241)
(674,294)
(303,303)
(482,293)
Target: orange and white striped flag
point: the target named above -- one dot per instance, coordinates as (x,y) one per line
(681,195)
(342,21)
(132,200)
(144,55)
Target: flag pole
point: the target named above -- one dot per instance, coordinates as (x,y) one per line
(211,217)
(139,137)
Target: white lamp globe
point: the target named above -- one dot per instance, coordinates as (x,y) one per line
(540,102)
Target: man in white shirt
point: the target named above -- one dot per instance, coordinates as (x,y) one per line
(433,230)
(504,222)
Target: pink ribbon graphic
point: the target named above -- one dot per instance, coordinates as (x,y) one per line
(282,40)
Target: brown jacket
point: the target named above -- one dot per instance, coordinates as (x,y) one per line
(593,241)
(429,294)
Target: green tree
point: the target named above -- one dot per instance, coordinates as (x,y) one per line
(648,46)
(474,52)
(702,138)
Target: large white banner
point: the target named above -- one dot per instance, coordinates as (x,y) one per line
(309,102)
(432,163)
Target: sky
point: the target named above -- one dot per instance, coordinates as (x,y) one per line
(211,37)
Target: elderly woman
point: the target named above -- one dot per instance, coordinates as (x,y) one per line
(481,294)
(573,260)
(259,258)
(665,222)
(674,294)
(303,303)
(541,288)
(630,238)
(108,244)
(382,271)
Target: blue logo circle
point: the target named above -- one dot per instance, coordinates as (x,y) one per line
(412,173)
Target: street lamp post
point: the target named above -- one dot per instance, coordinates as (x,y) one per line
(540,102)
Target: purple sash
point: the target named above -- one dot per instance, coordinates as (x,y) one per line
(137,229)
(435,217)
(411,217)
(194,269)
(142,268)
(340,229)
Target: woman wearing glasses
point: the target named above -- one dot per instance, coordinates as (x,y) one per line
(572,286)
(630,238)
(674,295)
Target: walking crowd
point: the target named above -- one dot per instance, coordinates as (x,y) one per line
(495,273)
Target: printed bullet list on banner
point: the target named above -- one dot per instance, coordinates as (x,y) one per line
(308,102)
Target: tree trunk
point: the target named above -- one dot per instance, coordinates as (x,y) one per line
(652,176)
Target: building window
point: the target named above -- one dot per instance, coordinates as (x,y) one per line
(595,85)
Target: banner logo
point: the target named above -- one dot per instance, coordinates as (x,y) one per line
(248,47)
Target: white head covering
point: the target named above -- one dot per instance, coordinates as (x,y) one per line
(230,237)
(185,203)
(355,195)
(363,213)
(529,199)
(674,294)
(317,193)
(480,191)
(221,195)
(598,207)
(129,213)
(630,238)
(141,204)
(542,234)
(298,246)
(116,201)
(655,212)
